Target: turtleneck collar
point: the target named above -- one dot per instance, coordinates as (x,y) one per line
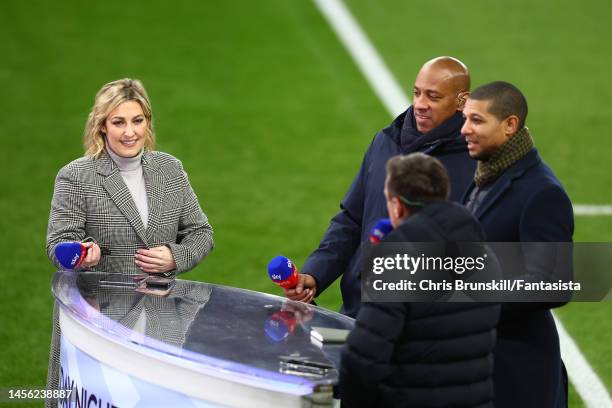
(125,163)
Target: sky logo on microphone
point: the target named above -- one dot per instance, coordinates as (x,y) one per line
(380,230)
(283,272)
(70,254)
(75,259)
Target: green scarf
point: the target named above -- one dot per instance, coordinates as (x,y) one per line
(508,154)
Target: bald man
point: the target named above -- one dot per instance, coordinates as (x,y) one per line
(432,125)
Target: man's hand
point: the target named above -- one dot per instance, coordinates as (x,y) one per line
(304,291)
(155,260)
(93,255)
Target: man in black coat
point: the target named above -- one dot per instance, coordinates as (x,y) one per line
(421,354)
(432,126)
(517,198)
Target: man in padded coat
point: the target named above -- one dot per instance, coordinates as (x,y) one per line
(421,354)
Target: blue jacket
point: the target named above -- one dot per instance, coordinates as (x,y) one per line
(339,252)
(419,354)
(527,204)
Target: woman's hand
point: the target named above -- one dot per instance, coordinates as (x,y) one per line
(93,255)
(155,260)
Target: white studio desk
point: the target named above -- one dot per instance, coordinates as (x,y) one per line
(202,346)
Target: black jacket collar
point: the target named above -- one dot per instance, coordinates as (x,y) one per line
(403,132)
(532,158)
(444,220)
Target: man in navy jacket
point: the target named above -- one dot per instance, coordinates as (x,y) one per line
(432,126)
(517,198)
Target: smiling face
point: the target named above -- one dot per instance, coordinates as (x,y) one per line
(483,131)
(125,128)
(435,97)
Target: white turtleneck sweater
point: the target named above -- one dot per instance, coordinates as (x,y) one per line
(131,171)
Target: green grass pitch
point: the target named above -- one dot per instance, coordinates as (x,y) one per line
(271,117)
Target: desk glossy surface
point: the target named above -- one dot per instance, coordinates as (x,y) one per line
(231,330)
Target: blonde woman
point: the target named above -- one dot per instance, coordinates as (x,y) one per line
(133,205)
(136,203)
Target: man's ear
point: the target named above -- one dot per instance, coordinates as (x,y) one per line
(511,124)
(400,211)
(394,207)
(461,98)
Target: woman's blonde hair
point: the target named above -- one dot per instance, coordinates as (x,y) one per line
(108,98)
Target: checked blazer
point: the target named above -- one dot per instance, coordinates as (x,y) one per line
(92,200)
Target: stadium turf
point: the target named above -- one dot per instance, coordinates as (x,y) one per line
(271,118)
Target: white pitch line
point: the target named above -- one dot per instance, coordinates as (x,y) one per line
(586,209)
(380,78)
(592,391)
(365,55)
(382,81)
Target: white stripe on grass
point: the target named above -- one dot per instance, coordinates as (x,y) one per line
(593,393)
(382,81)
(365,56)
(380,78)
(585,209)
